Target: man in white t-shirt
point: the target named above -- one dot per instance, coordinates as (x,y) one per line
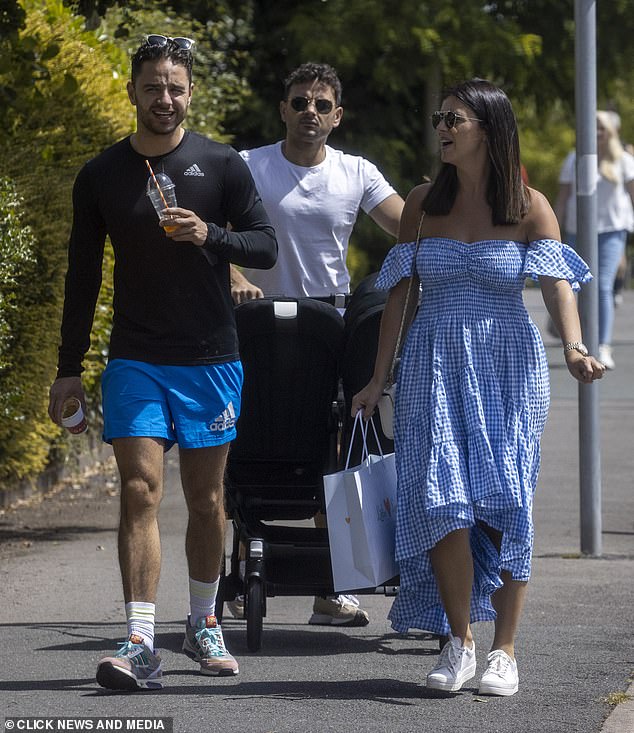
(312,194)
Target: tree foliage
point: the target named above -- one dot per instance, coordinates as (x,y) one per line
(394,58)
(16,259)
(67,101)
(220,59)
(11,18)
(24,436)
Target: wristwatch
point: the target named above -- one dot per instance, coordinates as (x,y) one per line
(576,346)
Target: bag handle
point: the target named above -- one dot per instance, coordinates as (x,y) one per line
(358,419)
(376,437)
(390,376)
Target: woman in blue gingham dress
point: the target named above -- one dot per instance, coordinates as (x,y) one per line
(473,392)
(473,400)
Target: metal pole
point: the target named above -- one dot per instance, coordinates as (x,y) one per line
(589,417)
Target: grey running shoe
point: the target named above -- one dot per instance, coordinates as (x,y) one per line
(133,667)
(204,643)
(338,611)
(236,606)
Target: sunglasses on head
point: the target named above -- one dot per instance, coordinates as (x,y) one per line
(450,118)
(323,106)
(157,40)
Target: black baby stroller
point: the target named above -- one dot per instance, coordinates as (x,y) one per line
(288,435)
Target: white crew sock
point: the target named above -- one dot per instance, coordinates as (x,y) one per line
(202,599)
(140,618)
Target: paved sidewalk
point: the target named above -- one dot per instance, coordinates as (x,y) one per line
(61,610)
(557,541)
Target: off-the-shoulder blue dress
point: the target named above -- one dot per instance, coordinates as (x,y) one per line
(471,405)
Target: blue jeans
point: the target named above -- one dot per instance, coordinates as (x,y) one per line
(611,248)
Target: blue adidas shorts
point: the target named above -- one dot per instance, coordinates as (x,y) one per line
(194,406)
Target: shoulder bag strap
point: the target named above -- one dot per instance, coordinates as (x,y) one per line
(397,348)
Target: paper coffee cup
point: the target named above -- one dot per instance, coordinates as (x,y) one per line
(73,418)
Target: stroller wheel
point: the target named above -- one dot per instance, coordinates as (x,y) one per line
(254,612)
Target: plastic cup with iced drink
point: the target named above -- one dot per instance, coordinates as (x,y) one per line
(162,195)
(73,418)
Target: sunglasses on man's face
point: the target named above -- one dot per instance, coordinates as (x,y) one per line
(323,106)
(157,40)
(450,118)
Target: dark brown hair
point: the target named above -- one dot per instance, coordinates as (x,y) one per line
(149,52)
(507,195)
(314,72)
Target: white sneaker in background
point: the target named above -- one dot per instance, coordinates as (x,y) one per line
(236,606)
(605,356)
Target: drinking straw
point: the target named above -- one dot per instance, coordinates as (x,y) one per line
(156,183)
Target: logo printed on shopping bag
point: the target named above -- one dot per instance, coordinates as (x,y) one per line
(384,512)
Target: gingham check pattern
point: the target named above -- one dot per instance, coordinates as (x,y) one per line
(472,400)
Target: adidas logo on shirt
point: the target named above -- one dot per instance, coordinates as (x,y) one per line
(193,170)
(224,421)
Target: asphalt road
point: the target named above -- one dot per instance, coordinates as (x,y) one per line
(61,609)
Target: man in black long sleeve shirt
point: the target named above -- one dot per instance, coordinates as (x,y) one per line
(173,373)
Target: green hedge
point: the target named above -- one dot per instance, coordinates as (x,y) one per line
(67,105)
(23,447)
(62,101)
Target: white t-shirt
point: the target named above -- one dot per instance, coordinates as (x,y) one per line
(313,211)
(614,205)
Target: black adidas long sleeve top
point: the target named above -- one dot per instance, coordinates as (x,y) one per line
(172,301)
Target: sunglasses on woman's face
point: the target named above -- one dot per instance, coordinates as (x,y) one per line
(157,40)
(450,118)
(323,106)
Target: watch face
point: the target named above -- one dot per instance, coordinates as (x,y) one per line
(582,350)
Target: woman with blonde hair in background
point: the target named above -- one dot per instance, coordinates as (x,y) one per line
(615,216)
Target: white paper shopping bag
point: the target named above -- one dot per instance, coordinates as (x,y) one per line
(371,497)
(361,514)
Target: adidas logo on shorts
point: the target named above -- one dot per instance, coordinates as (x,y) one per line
(224,421)
(193,170)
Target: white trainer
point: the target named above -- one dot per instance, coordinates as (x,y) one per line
(501,676)
(455,666)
